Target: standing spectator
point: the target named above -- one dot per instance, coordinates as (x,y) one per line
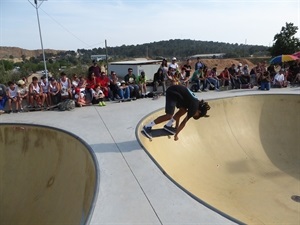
(265,81)
(159,79)
(3,98)
(199,64)
(164,67)
(174,64)
(142,84)
(12,94)
(95,69)
(130,80)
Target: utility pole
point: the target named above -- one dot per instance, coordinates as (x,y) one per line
(36,6)
(106,57)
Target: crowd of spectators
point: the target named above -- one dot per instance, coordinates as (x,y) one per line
(98,87)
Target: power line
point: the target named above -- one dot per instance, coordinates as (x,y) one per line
(68,31)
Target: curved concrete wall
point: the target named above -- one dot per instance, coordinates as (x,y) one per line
(47,176)
(243,160)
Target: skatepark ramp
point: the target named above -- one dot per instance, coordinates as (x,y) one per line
(47,176)
(242,161)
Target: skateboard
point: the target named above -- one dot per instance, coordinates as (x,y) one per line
(124,100)
(32,109)
(156,95)
(160,132)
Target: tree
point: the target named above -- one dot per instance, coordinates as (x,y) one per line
(285,42)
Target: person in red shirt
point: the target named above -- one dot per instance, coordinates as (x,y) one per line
(225,77)
(104,82)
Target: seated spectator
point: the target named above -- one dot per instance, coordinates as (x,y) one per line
(142,84)
(45,86)
(296,79)
(74,83)
(159,80)
(104,83)
(54,91)
(66,87)
(198,78)
(235,82)
(173,64)
(245,75)
(82,100)
(98,96)
(23,93)
(212,78)
(36,96)
(3,98)
(130,80)
(187,68)
(279,80)
(224,77)
(12,94)
(120,91)
(124,91)
(184,79)
(265,80)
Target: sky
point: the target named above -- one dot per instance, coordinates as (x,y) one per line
(86,24)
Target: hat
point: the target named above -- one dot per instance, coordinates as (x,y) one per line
(21,82)
(174,59)
(240,64)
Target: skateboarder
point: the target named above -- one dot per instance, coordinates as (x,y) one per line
(182,98)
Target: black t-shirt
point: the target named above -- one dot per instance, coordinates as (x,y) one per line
(187,72)
(185,98)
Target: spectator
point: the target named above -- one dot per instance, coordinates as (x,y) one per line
(198,78)
(213,79)
(23,93)
(65,84)
(130,80)
(188,69)
(245,74)
(142,84)
(164,67)
(265,81)
(120,90)
(124,92)
(12,94)
(54,91)
(199,64)
(104,83)
(279,80)
(45,87)
(174,64)
(159,80)
(184,79)
(235,82)
(95,69)
(224,77)
(35,93)
(3,98)
(98,96)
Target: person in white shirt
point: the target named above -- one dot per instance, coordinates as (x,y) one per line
(12,93)
(279,79)
(174,65)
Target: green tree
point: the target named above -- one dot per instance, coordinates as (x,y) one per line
(285,42)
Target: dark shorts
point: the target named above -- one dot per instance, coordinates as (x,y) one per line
(171,101)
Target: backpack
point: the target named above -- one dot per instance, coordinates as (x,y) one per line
(67,104)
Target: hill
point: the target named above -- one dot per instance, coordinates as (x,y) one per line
(17,53)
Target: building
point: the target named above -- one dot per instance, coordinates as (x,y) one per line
(208,56)
(98,57)
(148,66)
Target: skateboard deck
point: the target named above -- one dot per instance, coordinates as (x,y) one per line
(157,94)
(160,132)
(124,100)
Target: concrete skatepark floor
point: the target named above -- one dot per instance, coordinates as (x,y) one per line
(132,189)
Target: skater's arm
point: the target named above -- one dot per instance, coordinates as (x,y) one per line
(177,116)
(181,126)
